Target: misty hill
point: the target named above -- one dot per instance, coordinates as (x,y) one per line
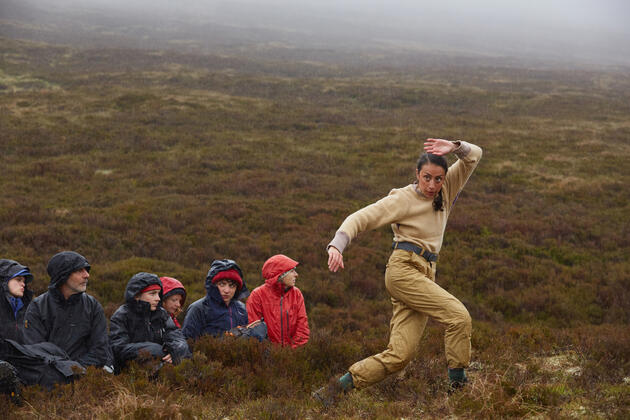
(149,148)
(559,34)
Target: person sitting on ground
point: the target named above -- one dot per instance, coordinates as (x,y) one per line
(142,325)
(14,278)
(221,309)
(280,303)
(67,316)
(174,297)
(43,363)
(15,298)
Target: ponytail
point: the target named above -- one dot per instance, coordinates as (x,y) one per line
(438,202)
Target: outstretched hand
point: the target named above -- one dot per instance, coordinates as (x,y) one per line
(439,147)
(335,259)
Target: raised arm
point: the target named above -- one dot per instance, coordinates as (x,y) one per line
(468,156)
(440,147)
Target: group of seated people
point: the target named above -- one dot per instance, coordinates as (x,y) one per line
(52,338)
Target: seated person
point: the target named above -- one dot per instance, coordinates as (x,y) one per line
(67,316)
(174,297)
(220,310)
(280,303)
(14,300)
(14,278)
(142,325)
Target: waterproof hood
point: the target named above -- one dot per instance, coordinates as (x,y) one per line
(171,286)
(10,269)
(63,264)
(275,266)
(139,282)
(219,266)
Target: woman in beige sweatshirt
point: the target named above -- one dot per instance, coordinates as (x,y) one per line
(418,215)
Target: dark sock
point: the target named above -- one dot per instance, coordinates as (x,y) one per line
(346,382)
(457,376)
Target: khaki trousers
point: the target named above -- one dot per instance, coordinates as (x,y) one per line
(410,281)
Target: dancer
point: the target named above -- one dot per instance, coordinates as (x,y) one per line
(418,214)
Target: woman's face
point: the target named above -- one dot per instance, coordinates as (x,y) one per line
(430,179)
(173,304)
(16,286)
(227,290)
(152,297)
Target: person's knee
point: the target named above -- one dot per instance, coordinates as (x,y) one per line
(400,357)
(461,319)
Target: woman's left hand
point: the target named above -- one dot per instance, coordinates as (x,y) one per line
(167,359)
(439,147)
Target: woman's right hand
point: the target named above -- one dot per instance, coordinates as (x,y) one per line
(335,259)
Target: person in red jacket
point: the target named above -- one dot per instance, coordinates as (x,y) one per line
(280,303)
(174,297)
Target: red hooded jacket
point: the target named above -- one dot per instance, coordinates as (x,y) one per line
(283,310)
(171,286)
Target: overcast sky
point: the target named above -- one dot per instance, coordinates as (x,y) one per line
(589,29)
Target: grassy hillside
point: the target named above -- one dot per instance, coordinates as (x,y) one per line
(161,161)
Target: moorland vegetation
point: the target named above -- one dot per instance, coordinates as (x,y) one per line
(161,160)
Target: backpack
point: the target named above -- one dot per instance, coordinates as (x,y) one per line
(42,363)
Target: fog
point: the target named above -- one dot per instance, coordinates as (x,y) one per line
(579,30)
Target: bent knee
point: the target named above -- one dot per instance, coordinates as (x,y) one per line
(398,359)
(461,319)
(398,363)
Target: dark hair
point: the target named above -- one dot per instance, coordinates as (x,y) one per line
(438,202)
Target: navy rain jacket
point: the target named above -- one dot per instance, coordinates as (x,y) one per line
(77,325)
(134,327)
(210,315)
(11,326)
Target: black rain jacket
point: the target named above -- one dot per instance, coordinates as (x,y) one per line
(10,326)
(77,325)
(134,327)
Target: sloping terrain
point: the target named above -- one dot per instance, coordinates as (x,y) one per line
(159,160)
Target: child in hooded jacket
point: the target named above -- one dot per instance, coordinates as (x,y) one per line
(14,299)
(174,297)
(221,309)
(280,303)
(142,325)
(16,296)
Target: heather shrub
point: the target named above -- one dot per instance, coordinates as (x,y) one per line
(162,161)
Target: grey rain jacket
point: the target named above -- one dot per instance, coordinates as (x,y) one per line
(134,327)
(77,325)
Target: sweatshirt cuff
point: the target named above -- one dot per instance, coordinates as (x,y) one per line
(462,150)
(340,241)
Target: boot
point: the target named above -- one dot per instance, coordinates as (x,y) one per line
(457,379)
(10,383)
(329,394)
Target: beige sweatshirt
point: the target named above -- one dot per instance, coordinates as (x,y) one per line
(410,213)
